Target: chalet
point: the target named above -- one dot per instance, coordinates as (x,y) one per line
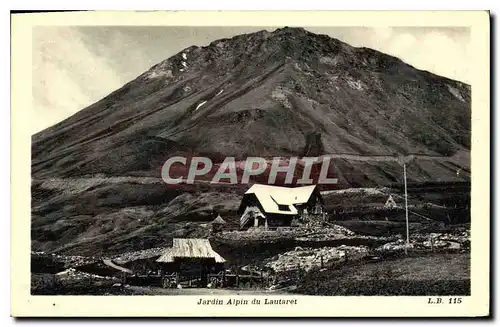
(274,206)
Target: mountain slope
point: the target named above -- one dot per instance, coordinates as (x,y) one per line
(288,85)
(96,175)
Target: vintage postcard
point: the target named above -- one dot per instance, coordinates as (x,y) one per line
(301,164)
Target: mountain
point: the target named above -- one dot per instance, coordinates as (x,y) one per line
(285,93)
(288,85)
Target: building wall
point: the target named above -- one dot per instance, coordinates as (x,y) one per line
(142,266)
(277,220)
(193,266)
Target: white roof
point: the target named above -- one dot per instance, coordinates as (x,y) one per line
(271,196)
(190,248)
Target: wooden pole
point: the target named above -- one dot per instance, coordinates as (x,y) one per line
(406,206)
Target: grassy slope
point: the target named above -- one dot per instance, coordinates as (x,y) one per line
(431,274)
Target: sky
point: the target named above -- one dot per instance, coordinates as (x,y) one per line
(74,67)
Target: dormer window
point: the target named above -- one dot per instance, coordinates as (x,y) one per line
(283,207)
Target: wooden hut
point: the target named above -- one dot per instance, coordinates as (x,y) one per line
(190,260)
(218,224)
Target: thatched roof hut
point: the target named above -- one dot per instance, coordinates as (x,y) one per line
(190,248)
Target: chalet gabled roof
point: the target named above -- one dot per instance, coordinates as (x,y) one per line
(272,197)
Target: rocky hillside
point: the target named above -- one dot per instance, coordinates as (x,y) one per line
(290,92)
(96,175)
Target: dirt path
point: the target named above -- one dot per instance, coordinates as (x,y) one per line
(111,264)
(143,290)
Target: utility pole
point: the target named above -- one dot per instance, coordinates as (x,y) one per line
(406,207)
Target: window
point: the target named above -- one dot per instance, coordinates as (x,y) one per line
(283,207)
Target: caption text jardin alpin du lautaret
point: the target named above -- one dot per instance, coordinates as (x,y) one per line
(255,301)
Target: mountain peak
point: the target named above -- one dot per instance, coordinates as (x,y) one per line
(291,30)
(287,84)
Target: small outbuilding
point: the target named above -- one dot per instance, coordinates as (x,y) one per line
(390,203)
(218,224)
